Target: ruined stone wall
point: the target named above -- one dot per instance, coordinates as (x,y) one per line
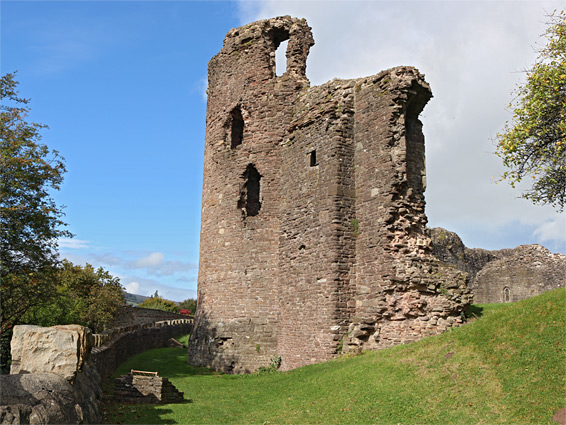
(504,275)
(313,226)
(129,316)
(448,247)
(146,389)
(520,273)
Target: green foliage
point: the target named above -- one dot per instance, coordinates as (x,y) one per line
(274,365)
(507,367)
(84,296)
(356,226)
(189,304)
(158,303)
(30,221)
(533,145)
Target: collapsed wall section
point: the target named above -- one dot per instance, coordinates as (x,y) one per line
(402,292)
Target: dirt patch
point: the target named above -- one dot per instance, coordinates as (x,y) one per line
(560,416)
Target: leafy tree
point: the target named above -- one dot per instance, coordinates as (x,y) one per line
(159,303)
(85,296)
(189,304)
(533,144)
(30,221)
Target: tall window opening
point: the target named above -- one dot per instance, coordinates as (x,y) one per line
(281,58)
(506,294)
(249,202)
(237,127)
(280,44)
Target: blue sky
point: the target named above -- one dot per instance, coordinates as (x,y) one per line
(121,86)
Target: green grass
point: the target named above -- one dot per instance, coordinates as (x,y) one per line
(508,366)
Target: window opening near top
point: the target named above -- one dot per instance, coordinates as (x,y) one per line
(237,131)
(312,159)
(281,58)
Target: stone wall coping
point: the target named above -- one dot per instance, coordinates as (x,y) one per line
(106,337)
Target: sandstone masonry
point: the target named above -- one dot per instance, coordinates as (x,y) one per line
(504,275)
(132,388)
(313,233)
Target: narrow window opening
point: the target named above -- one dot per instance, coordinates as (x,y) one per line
(506,294)
(280,39)
(237,130)
(312,159)
(281,58)
(249,202)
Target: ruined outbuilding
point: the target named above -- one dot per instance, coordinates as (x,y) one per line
(313,233)
(504,275)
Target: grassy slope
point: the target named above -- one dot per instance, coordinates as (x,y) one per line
(506,367)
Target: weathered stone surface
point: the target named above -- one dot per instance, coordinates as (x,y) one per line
(448,247)
(146,389)
(519,273)
(504,275)
(46,398)
(59,349)
(313,225)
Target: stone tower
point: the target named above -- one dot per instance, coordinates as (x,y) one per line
(313,236)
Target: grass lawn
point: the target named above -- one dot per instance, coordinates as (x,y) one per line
(508,366)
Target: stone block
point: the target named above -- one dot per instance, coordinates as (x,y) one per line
(61,350)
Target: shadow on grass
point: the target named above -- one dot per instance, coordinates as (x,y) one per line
(136,414)
(473,312)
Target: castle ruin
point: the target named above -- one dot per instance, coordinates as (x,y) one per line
(313,233)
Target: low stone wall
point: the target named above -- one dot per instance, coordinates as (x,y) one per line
(57,372)
(130,316)
(115,346)
(111,334)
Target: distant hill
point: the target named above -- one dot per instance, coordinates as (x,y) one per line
(134,299)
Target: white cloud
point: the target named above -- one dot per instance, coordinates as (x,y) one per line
(470,53)
(147,287)
(154,264)
(132,287)
(552,230)
(153,260)
(73,243)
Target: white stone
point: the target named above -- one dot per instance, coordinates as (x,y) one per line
(61,350)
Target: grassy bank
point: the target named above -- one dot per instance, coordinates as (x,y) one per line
(508,366)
